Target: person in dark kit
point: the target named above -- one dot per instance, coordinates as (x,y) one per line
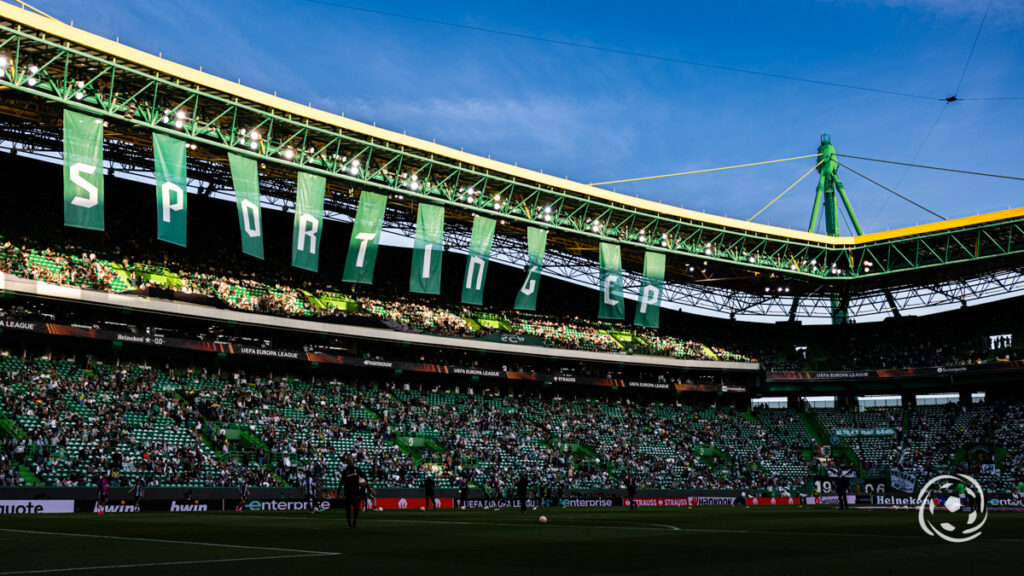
(464,492)
(243,494)
(842,487)
(139,491)
(631,490)
(369,496)
(428,491)
(352,480)
(522,487)
(311,492)
(101,492)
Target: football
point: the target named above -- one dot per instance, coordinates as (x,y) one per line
(543,519)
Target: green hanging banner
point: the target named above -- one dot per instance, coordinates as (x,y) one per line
(171,198)
(309,221)
(246,180)
(476,261)
(425,276)
(362,248)
(536,240)
(648,305)
(83,171)
(612,306)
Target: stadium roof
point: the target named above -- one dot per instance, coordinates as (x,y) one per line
(726,264)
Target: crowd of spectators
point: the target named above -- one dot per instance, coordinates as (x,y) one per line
(266,293)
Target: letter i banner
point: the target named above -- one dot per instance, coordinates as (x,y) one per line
(536,240)
(309,221)
(476,261)
(171,198)
(612,305)
(362,248)
(648,305)
(246,181)
(83,171)
(425,276)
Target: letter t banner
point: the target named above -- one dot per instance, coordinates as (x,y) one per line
(362,248)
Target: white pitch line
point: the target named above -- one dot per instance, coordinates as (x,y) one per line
(524,525)
(135,539)
(151,564)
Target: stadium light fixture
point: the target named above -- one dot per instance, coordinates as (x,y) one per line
(78,95)
(3,61)
(180,114)
(32,69)
(547,217)
(31,81)
(253,145)
(288,153)
(179,124)
(254,135)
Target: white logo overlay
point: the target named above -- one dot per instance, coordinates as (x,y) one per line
(940,517)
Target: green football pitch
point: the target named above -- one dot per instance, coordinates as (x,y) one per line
(581,541)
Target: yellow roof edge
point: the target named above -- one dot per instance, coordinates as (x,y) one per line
(940,226)
(115,49)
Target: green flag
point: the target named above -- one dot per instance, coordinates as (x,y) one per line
(83,171)
(362,248)
(246,180)
(476,261)
(425,276)
(536,239)
(309,221)
(648,305)
(171,198)
(612,306)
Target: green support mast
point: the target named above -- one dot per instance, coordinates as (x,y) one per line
(825,201)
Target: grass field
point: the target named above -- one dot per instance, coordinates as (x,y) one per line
(583,541)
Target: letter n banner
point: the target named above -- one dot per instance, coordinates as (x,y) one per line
(246,181)
(362,248)
(612,305)
(83,171)
(309,221)
(648,305)
(536,240)
(476,261)
(425,276)
(171,198)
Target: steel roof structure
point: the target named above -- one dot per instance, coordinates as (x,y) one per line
(716,263)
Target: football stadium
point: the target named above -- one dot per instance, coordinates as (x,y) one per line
(240,333)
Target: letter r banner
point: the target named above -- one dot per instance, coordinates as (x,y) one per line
(309,221)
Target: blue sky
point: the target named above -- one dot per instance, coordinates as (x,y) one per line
(595,116)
